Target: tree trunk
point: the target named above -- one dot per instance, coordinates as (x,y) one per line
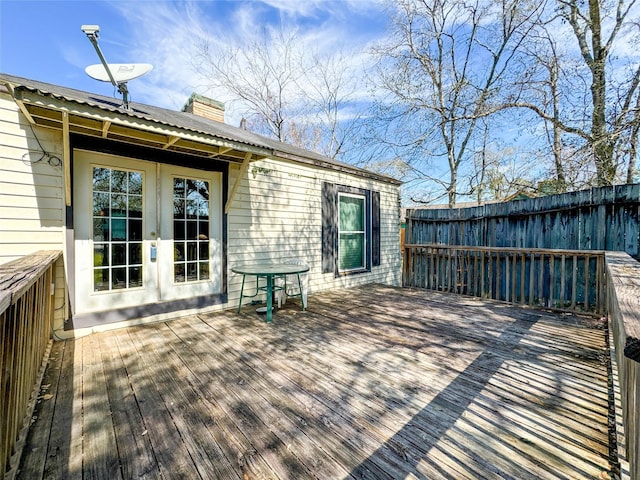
(602,143)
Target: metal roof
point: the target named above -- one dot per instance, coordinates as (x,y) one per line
(188,122)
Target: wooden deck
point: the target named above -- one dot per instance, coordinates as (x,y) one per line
(373,382)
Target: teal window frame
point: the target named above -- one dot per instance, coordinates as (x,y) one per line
(347,234)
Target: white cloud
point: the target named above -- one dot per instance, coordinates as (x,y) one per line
(167,35)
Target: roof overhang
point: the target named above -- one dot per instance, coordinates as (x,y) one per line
(94,117)
(49,112)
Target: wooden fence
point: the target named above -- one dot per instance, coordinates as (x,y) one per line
(603,218)
(569,280)
(26,315)
(623,305)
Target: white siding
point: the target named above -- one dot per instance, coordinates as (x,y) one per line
(31,194)
(276,215)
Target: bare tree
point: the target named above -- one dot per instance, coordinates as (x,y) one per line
(284,88)
(443,70)
(587,25)
(605,112)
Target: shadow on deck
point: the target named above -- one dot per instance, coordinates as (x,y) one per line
(372,382)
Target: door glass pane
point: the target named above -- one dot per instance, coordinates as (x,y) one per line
(101,204)
(135,230)
(190,230)
(117,229)
(100,229)
(135,253)
(135,183)
(135,206)
(101,179)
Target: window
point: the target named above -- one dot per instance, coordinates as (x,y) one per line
(190,230)
(350,229)
(117,229)
(351,232)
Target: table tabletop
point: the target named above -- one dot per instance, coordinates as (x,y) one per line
(270,269)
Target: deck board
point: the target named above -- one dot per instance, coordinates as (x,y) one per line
(372,382)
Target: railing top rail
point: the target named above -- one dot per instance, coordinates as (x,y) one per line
(624,276)
(554,251)
(18,275)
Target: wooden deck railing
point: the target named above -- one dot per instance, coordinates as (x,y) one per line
(26,313)
(623,305)
(567,280)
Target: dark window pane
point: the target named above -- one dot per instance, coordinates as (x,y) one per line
(135,277)
(203,251)
(178,188)
(100,254)
(204,270)
(135,183)
(101,179)
(178,272)
(119,278)
(101,205)
(135,253)
(179,208)
(101,279)
(118,181)
(135,230)
(179,230)
(135,206)
(118,229)
(203,230)
(192,272)
(192,209)
(192,230)
(202,190)
(178,252)
(192,189)
(119,254)
(203,210)
(192,251)
(100,230)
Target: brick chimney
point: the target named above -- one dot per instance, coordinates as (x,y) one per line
(205,107)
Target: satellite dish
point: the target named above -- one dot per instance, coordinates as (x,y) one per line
(122,72)
(116,73)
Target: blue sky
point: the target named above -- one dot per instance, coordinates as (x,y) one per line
(42,40)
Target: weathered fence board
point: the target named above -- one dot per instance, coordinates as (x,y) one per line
(603,218)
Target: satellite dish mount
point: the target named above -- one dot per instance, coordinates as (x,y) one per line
(116,73)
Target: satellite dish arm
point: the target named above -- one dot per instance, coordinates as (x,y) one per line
(91,31)
(93,38)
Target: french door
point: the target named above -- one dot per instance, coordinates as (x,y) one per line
(143,232)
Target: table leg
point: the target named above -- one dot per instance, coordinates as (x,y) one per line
(269,298)
(301,295)
(241,291)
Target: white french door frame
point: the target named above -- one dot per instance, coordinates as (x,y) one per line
(157,235)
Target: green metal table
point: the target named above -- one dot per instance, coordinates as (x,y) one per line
(269,271)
